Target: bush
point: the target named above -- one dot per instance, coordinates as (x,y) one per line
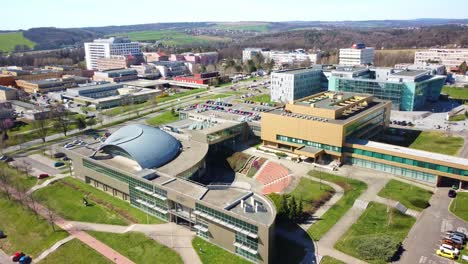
(382,247)
(238,160)
(420,203)
(281,154)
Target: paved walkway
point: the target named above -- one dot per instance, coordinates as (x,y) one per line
(47,183)
(4,258)
(44,254)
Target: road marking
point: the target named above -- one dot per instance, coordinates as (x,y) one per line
(422,259)
(446,225)
(461,229)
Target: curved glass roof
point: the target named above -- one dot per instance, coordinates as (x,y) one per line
(149,146)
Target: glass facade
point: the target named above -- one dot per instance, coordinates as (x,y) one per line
(308,143)
(421,164)
(366,124)
(416,175)
(246,254)
(226,218)
(225,133)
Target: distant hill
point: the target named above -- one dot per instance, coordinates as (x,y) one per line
(323,34)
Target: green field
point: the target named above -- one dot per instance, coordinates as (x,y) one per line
(210,253)
(330,260)
(138,248)
(352,190)
(257,27)
(312,193)
(171,37)
(65,197)
(459,206)
(263,98)
(75,252)
(164,118)
(460,117)
(8,41)
(376,222)
(456,92)
(162,99)
(25,231)
(411,196)
(437,142)
(17,178)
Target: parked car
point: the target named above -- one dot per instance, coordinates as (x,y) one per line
(445,254)
(449,248)
(42,176)
(452,193)
(65,158)
(68,145)
(59,155)
(457,239)
(16,257)
(5,158)
(461,234)
(451,243)
(58,164)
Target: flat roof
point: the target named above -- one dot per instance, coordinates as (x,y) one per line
(410,73)
(4,88)
(298,71)
(410,151)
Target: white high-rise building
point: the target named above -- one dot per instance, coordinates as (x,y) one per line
(104,48)
(447,57)
(290,85)
(358,54)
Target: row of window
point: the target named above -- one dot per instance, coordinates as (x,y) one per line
(247,241)
(417,163)
(358,125)
(226,218)
(247,254)
(308,143)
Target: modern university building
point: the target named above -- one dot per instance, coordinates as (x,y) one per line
(150,169)
(338,127)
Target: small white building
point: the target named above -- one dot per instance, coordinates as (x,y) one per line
(358,54)
(290,85)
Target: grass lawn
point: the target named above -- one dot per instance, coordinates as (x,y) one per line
(75,252)
(65,197)
(263,98)
(178,95)
(437,142)
(312,194)
(210,253)
(171,37)
(9,40)
(18,178)
(458,117)
(164,118)
(215,96)
(138,248)
(376,221)
(295,252)
(411,196)
(330,260)
(352,189)
(244,26)
(459,206)
(25,231)
(456,92)
(125,108)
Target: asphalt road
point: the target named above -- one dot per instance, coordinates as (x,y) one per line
(424,238)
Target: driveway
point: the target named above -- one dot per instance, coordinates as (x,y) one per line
(423,239)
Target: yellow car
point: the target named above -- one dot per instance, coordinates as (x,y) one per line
(446,254)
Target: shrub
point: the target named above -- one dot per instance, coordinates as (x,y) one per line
(381,247)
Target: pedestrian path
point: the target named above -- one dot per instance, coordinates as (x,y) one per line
(44,254)
(47,183)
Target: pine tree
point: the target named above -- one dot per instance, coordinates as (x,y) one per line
(300,209)
(283,210)
(292,209)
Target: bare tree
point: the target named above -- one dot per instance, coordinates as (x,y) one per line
(21,194)
(26,167)
(5,183)
(50,217)
(61,117)
(41,128)
(32,202)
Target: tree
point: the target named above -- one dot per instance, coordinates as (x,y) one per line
(91,122)
(5,183)
(50,217)
(300,209)
(283,210)
(81,122)
(41,128)
(292,209)
(61,117)
(381,247)
(463,68)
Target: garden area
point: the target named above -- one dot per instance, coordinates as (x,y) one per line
(163,118)
(437,142)
(412,197)
(330,260)
(25,230)
(67,201)
(352,189)
(263,98)
(377,235)
(138,248)
(210,253)
(459,206)
(75,252)
(456,92)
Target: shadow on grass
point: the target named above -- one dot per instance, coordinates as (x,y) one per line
(398,254)
(292,244)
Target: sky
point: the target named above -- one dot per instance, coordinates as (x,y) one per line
(24,14)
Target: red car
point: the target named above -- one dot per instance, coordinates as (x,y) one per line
(43,175)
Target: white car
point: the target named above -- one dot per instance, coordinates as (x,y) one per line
(446,247)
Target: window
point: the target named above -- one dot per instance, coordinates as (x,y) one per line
(308,143)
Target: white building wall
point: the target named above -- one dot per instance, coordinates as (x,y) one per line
(351,57)
(104,48)
(447,57)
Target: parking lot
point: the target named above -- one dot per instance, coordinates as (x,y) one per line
(425,236)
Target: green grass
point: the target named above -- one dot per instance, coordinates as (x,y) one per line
(138,248)
(8,41)
(437,142)
(210,253)
(118,110)
(75,252)
(164,118)
(330,260)
(65,197)
(215,96)
(464,251)
(263,98)
(181,94)
(411,196)
(459,206)
(456,92)
(374,222)
(18,179)
(171,37)
(352,189)
(244,26)
(312,194)
(25,231)
(461,117)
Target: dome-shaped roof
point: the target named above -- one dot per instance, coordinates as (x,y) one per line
(149,146)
